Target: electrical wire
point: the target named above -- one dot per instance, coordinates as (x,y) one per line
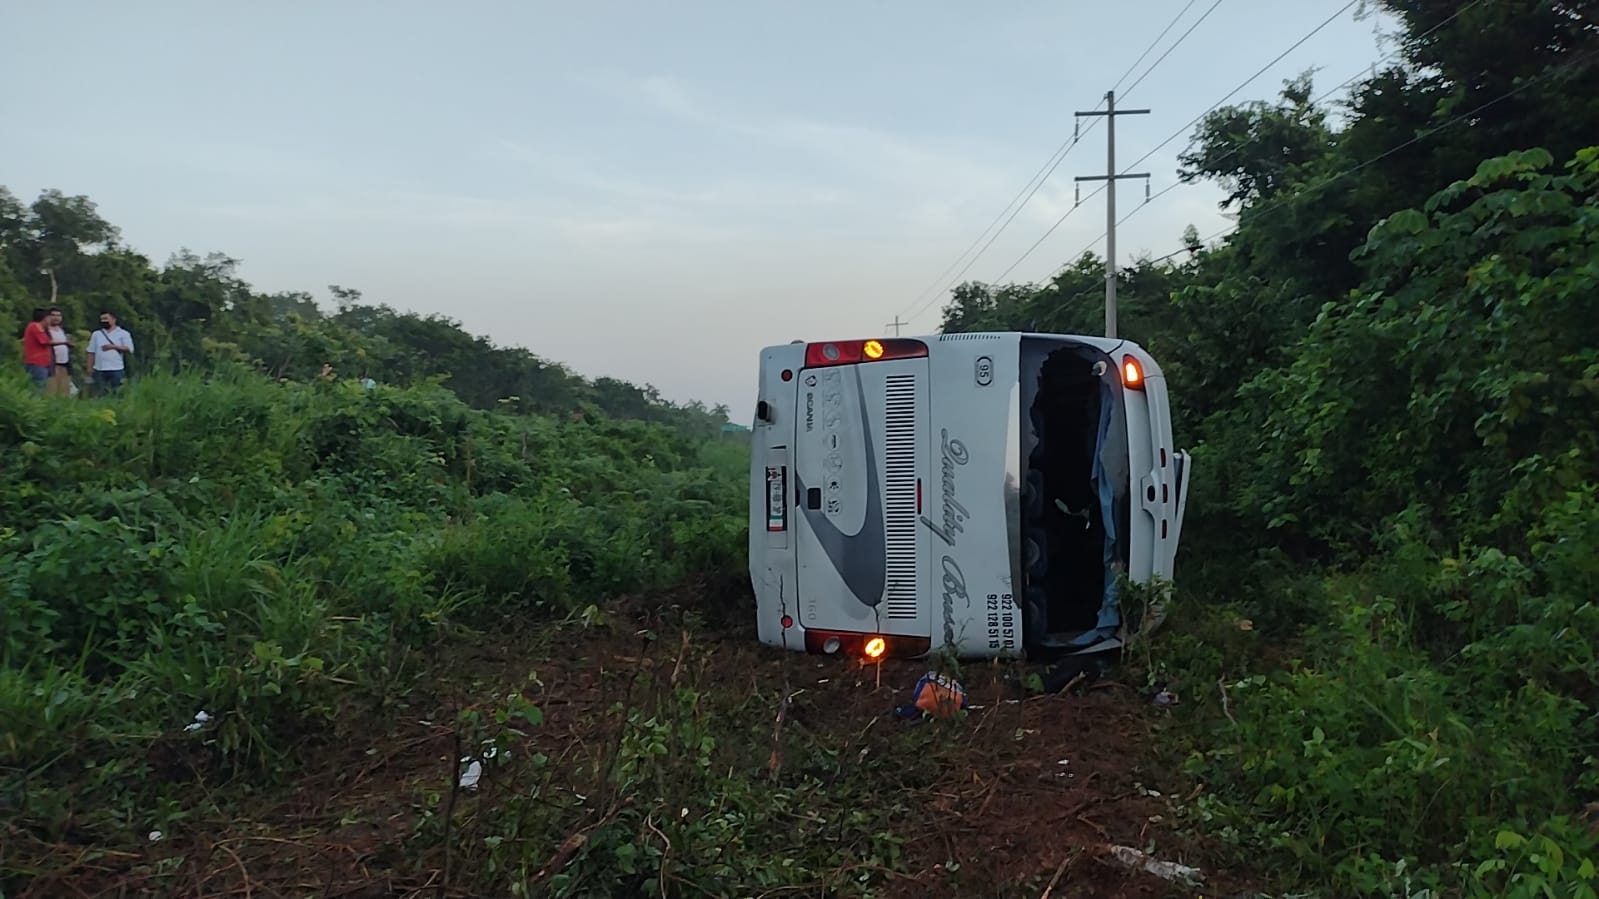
(1174,46)
(1313,32)
(1169,25)
(1257,212)
(1238,148)
(1025,195)
(1102,187)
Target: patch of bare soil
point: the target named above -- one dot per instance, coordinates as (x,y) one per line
(1022,797)
(1029,794)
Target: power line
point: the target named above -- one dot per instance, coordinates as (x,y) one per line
(1033,184)
(1169,25)
(1174,46)
(1038,176)
(1280,56)
(1257,212)
(1096,192)
(1176,134)
(1248,81)
(1255,137)
(1300,194)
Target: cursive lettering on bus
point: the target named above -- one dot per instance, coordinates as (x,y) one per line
(954,586)
(953,453)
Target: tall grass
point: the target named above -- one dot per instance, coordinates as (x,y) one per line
(268,553)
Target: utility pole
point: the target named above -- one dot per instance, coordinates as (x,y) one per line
(896,324)
(1110,113)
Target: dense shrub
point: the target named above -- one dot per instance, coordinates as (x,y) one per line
(260,550)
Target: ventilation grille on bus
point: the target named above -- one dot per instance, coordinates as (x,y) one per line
(975,335)
(899,494)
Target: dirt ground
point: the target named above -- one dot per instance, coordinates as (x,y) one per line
(1028,798)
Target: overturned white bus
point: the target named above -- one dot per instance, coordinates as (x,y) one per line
(974,493)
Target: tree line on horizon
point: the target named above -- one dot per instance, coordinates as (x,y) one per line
(195,313)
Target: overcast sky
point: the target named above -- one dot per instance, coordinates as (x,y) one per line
(646,190)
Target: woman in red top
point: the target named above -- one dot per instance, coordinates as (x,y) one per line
(38,350)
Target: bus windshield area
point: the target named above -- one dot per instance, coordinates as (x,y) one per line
(1074,505)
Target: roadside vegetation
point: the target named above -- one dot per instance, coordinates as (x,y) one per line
(1389,372)
(482,628)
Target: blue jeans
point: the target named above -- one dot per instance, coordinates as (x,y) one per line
(38,374)
(107,381)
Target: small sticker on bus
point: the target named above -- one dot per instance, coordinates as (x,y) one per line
(776,493)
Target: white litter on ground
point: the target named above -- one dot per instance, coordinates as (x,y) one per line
(1169,871)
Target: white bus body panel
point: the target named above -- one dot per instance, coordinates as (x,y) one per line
(972,495)
(774,568)
(885,496)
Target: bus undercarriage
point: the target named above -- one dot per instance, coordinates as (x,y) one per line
(1074,497)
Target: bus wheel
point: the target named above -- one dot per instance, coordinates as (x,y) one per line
(1033,495)
(1036,554)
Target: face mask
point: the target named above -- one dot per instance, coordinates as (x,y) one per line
(106,326)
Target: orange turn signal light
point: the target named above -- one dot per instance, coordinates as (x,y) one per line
(1132,373)
(875,648)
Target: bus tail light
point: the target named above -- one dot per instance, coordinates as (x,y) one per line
(1132,373)
(852,352)
(868,647)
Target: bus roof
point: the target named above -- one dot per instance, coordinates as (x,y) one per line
(1100,342)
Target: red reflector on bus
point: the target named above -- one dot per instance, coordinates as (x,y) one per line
(871,647)
(851,352)
(1162,451)
(788,622)
(788,375)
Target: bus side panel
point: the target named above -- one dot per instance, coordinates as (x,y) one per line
(1163,508)
(972,496)
(1145,488)
(774,572)
(861,444)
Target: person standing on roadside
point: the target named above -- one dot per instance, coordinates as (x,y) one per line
(107,347)
(60,383)
(38,358)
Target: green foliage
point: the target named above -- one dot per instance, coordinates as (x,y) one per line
(1397,473)
(1388,374)
(269,553)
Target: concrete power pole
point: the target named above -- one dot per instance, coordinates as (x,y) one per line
(1110,113)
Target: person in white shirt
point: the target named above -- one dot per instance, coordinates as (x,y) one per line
(60,383)
(106,349)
